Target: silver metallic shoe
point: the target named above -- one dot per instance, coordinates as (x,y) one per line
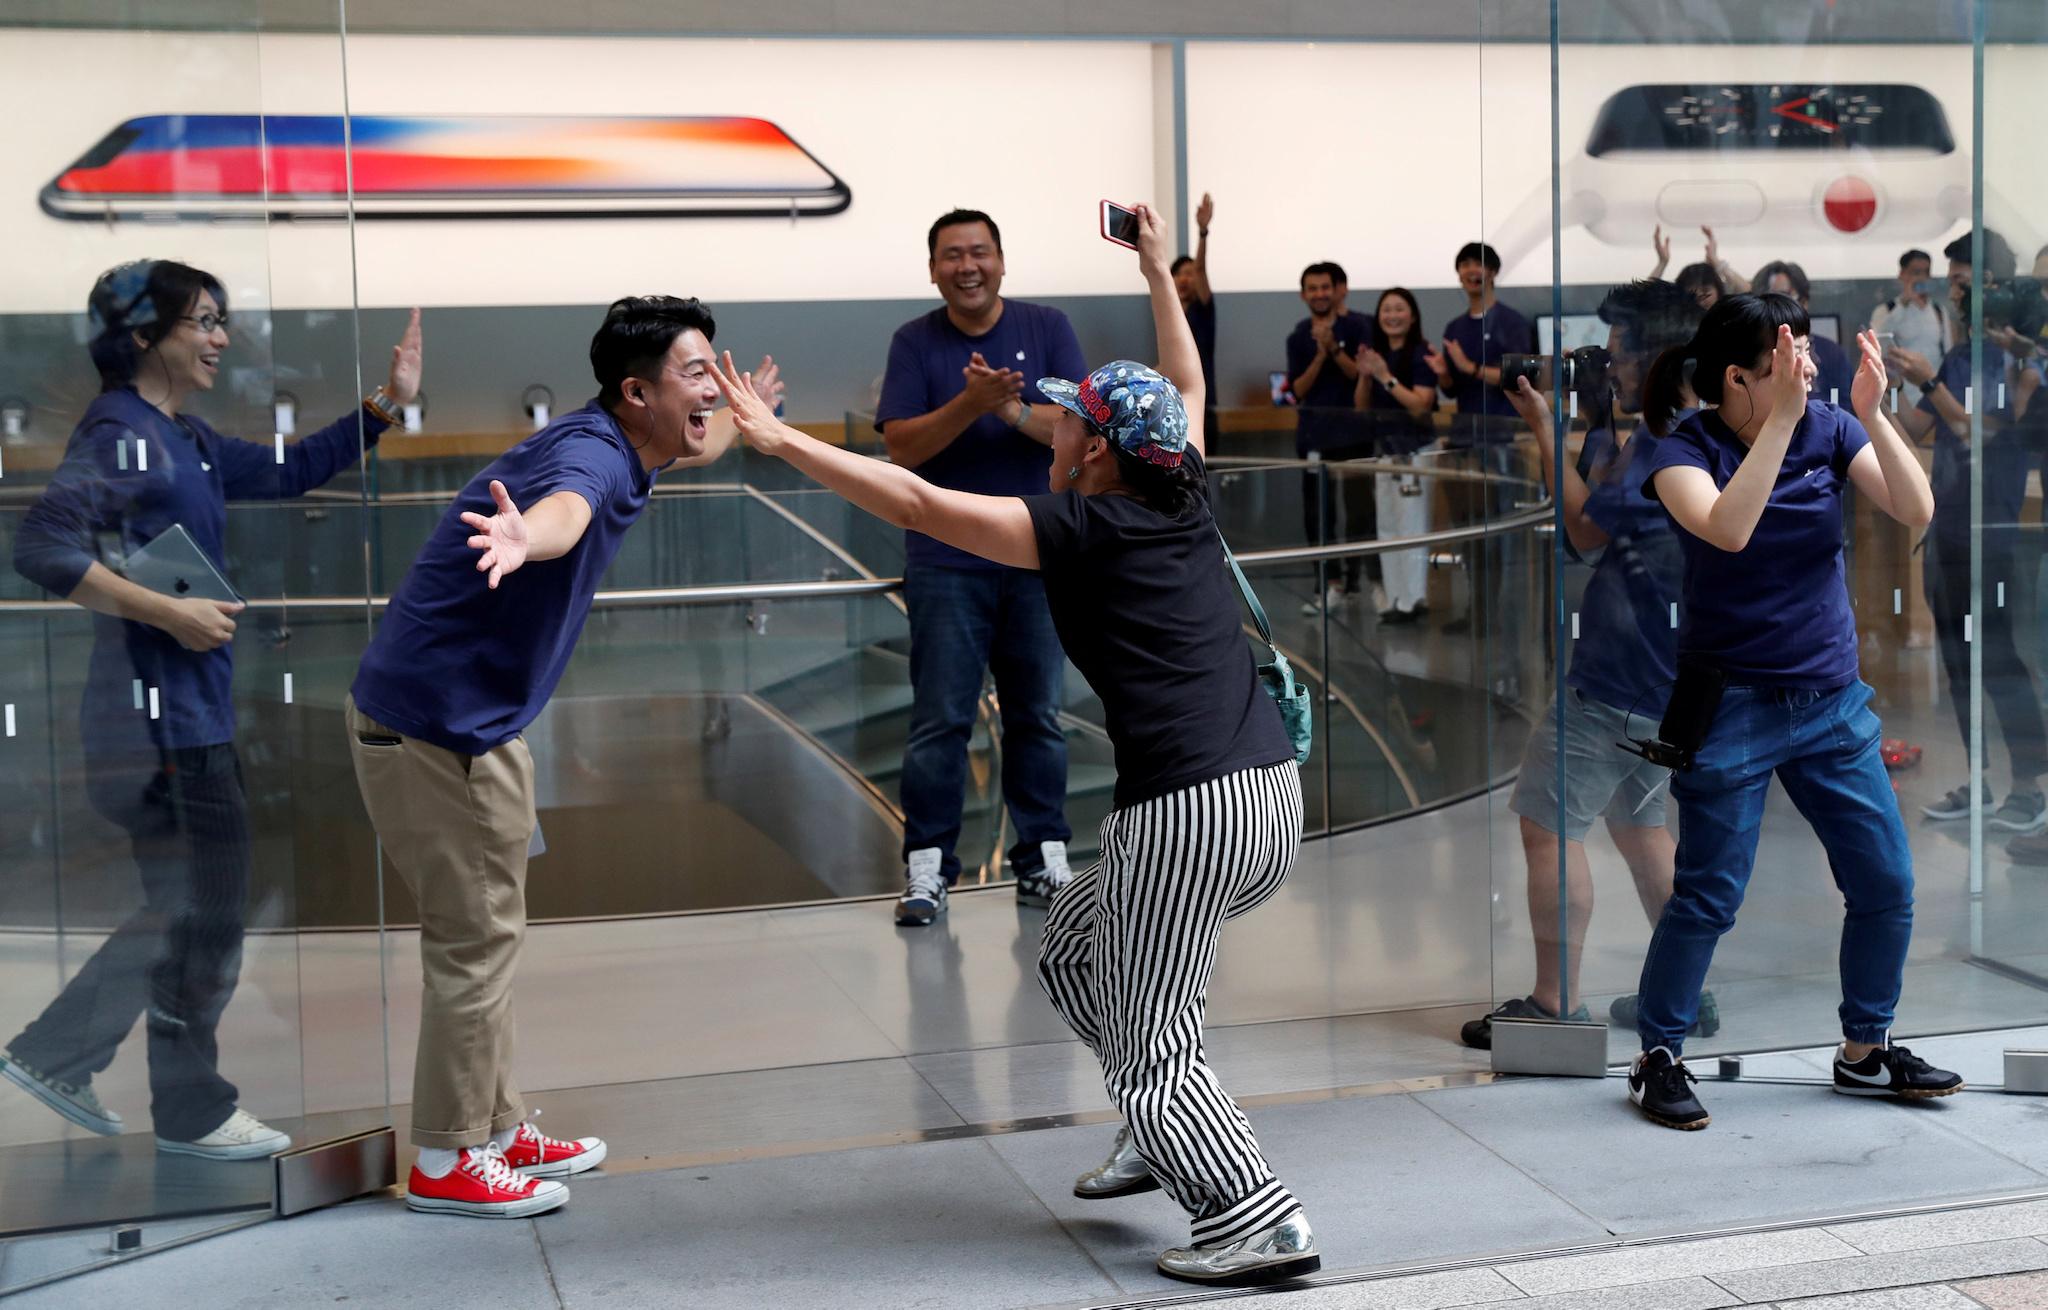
(1125,1173)
(1271,1255)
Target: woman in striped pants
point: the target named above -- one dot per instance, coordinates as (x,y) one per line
(1207,817)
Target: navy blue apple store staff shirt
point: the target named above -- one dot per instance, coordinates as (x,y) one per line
(1484,339)
(467,668)
(1777,613)
(1626,658)
(130,472)
(991,458)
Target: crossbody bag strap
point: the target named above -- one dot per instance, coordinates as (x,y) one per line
(1251,598)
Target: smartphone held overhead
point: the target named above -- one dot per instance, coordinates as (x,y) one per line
(249,166)
(1120,224)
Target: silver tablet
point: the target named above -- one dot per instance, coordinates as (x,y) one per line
(173,564)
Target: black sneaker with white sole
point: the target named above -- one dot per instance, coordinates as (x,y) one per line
(1894,1071)
(2023,812)
(1955,805)
(1660,1086)
(1478,1033)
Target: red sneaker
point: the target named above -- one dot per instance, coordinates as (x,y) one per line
(482,1184)
(538,1155)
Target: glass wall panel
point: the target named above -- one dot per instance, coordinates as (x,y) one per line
(166,1016)
(2005,320)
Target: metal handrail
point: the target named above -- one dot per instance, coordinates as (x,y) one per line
(731,592)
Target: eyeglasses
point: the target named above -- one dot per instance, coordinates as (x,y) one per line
(207,323)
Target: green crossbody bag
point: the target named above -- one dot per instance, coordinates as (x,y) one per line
(1297,711)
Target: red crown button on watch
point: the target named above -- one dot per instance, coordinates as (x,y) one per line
(1850,204)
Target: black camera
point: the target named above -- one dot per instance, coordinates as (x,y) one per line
(1513,368)
(1695,700)
(2018,305)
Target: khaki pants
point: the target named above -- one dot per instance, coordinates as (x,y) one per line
(456,827)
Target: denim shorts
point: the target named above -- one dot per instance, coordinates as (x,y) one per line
(1602,780)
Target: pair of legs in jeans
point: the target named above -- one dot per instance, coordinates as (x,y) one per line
(1823,746)
(2007,683)
(175,960)
(964,621)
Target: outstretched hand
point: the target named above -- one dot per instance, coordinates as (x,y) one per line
(404,384)
(501,537)
(752,413)
(1868,389)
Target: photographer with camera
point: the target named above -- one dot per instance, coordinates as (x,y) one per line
(1767,668)
(1944,411)
(1622,663)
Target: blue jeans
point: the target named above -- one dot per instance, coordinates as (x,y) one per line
(1824,747)
(963,621)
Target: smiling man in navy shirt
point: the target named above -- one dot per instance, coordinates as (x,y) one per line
(956,408)
(475,640)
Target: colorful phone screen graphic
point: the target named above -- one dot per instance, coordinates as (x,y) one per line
(227,165)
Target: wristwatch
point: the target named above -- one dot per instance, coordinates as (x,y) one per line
(1023,415)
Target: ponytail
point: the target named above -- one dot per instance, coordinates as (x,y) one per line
(1664,388)
(1738,331)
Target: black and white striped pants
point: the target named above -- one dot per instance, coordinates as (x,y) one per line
(1129,947)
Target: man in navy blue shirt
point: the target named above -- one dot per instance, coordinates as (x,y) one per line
(960,407)
(1474,342)
(1623,660)
(1322,371)
(1469,372)
(472,646)
(1948,392)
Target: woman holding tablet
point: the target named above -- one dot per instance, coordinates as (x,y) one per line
(1207,817)
(166,773)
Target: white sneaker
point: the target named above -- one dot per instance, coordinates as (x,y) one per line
(1039,888)
(242,1137)
(924,889)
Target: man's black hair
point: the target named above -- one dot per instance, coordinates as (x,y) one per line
(1653,315)
(2000,264)
(1912,255)
(636,335)
(1329,268)
(1478,252)
(960,218)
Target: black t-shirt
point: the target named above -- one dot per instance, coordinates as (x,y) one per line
(1202,322)
(1149,613)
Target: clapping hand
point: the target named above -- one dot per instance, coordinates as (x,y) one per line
(1459,357)
(404,386)
(501,537)
(991,388)
(1788,385)
(1434,358)
(1713,247)
(1204,212)
(1374,365)
(1869,387)
(1662,244)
